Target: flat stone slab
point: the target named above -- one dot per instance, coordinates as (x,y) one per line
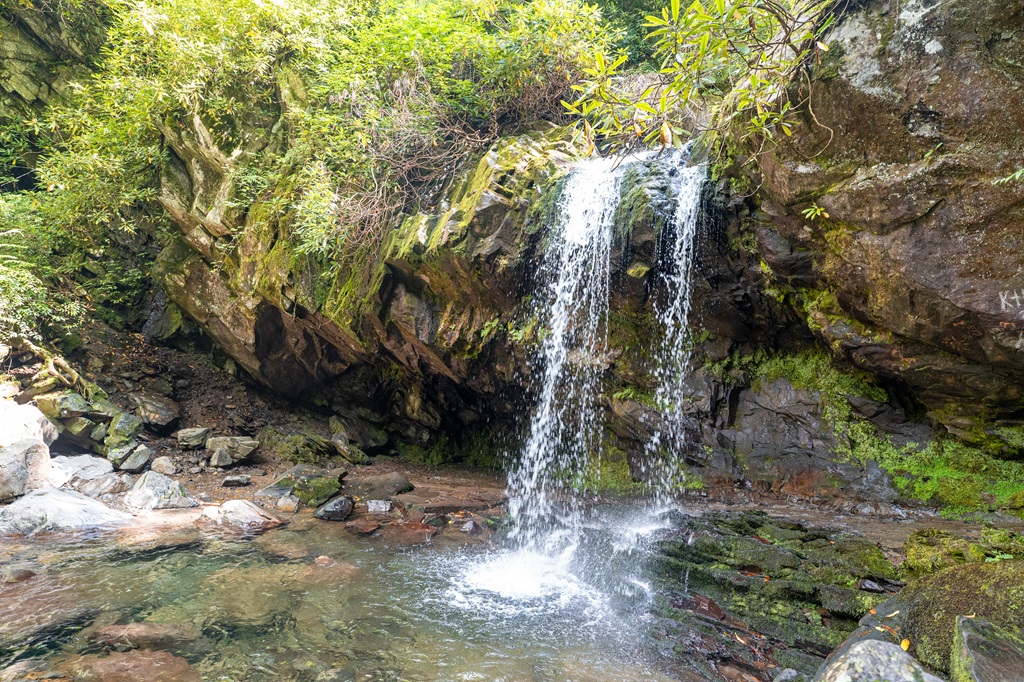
(446,500)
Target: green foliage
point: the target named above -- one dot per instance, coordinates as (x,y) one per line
(814,370)
(814,212)
(31,299)
(1015,176)
(734,61)
(610,474)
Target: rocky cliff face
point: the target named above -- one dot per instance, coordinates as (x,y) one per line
(915,272)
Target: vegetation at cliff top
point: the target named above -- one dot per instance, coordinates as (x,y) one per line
(726,66)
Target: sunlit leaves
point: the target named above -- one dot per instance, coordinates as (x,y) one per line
(723,64)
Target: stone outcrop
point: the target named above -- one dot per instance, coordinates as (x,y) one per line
(914,271)
(42,51)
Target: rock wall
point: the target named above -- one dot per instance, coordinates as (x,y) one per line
(913,272)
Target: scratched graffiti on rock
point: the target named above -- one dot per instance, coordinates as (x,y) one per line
(1012,301)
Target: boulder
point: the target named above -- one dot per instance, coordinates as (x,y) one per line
(159,636)
(123,427)
(20,422)
(72,471)
(136,461)
(108,484)
(871,661)
(378,487)
(337,509)
(309,484)
(239,481)
(192,439)
(57,510)
(24,466)
(164,465)
(241,514)
(991,591)
(59,406)
(131,666)
(983,652)
(349,451)
(153,490)
(156,411)
(228,450)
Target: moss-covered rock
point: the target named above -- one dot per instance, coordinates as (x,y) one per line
(796,585)
(993,591)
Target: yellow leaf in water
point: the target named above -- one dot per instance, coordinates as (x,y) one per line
(905,645)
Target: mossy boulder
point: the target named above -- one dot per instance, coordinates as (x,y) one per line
(992,591)
(983,652)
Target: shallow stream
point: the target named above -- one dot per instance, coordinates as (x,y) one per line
(314,602)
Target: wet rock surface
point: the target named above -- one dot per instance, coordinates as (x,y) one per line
(786,592)
(870,661)
(131,666)
(983,652)
(57,510)
(157,636)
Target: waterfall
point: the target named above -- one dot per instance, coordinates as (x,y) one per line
(572,311)
(672,310)
(564,439)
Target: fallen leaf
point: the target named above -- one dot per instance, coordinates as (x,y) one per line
(905,645)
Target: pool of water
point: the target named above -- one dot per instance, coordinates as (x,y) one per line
(312,602)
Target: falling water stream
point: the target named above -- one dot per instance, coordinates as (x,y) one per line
(563,598)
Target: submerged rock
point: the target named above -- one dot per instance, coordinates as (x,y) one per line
(167,637)
(873,661)
(53,509)
(242,514)
(153,490)
(131,666)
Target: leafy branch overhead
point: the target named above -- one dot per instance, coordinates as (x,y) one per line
(728,65)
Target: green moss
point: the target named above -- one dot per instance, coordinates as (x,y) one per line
(814,370)
(610,474)
(933,603)
(316,491)
(930,550)
(483,449)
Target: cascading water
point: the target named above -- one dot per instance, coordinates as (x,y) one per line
(564,562)
(573,312)
(672,309)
